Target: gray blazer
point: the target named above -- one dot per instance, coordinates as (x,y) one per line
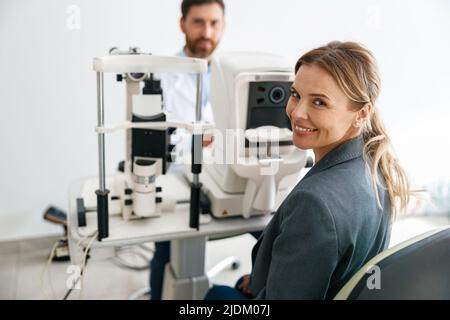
(327,228)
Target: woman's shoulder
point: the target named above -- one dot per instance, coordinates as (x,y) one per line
(338,177)
(346,190)
(342,189)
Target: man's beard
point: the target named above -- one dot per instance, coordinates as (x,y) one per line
(193,47)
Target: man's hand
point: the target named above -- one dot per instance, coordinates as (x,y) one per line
(207,139)
(244,287)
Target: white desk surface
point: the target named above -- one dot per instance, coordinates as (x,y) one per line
(169,226)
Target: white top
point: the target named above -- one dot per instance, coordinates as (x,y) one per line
(180,97)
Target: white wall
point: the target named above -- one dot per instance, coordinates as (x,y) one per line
(47,87)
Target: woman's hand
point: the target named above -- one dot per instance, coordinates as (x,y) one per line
(244,287)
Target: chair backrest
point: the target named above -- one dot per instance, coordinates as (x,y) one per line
(415,269)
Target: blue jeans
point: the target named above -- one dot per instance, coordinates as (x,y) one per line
(160,258)
(227,293)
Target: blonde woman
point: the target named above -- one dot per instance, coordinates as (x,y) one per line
(338,216)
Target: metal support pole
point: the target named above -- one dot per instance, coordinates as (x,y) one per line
(197,149)
(101,136)
(102,192)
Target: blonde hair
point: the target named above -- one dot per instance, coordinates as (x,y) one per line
(355,70)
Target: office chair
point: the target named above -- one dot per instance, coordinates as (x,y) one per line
(418,268)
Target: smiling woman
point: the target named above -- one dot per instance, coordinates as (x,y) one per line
(333,100)
(320,112)
(338,216)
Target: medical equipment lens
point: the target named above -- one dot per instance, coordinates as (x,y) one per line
(137,76)
(144,163)
(277,94)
